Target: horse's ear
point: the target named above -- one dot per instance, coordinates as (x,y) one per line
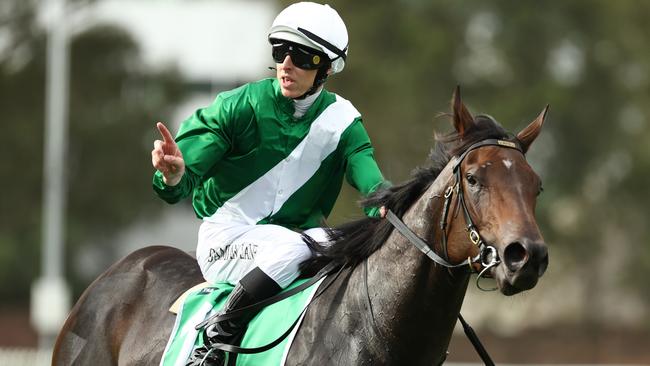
(463,120)
(530,133)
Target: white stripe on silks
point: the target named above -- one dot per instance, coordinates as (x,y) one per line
(187,333)
(269,192)
(177,324)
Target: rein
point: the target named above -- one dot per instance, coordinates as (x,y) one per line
(487,256)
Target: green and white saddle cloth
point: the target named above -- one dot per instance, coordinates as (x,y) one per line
(264,328)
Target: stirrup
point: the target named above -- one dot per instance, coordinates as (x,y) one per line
(220,331)
(229,328)
(203,356)
(218,334)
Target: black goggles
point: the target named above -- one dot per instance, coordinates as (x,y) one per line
(301,56)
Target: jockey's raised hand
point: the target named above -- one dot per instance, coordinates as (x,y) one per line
(167,158)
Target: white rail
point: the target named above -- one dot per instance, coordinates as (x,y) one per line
(25,357)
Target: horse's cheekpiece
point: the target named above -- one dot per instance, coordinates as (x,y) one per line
(488,257)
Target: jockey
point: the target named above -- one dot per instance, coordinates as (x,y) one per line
(264,164)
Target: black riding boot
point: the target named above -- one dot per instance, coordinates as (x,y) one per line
(252,288)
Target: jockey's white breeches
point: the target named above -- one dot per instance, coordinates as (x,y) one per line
(227,252)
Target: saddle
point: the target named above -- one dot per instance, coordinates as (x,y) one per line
(175,308)
(196,305)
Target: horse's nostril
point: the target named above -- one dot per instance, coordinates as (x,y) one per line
(515,256)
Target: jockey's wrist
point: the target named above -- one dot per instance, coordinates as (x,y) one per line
(172,181)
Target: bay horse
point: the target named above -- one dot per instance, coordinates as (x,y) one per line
(473,206)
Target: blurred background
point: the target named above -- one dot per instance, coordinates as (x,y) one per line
(76,145)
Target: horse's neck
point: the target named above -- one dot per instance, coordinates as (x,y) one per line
(415,302)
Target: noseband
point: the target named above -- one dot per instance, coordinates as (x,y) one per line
(487,256)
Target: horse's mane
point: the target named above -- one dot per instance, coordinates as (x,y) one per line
(354,241)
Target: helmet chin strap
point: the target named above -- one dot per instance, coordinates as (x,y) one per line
(321,77)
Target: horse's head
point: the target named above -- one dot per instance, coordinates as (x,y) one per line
(497,192)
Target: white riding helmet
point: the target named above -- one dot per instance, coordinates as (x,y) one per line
(314,25)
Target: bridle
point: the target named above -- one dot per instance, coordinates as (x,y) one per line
(487,256)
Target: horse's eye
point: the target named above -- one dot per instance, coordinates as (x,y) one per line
(471,179)
(541,189)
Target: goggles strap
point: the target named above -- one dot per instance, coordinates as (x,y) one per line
(324,43)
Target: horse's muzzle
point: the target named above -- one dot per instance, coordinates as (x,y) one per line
(524,262)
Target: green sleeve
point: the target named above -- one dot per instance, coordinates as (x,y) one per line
(204,138)
(362,171)
(173,194)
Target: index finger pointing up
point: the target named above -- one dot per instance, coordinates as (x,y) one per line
(167,136)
